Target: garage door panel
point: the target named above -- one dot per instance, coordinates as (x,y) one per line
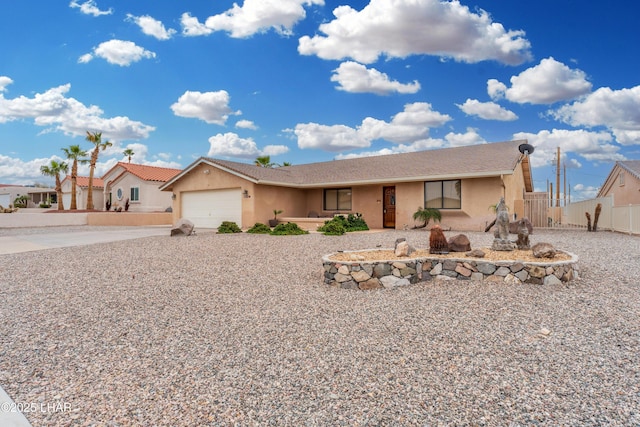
(208,209)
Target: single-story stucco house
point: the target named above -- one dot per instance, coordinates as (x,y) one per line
(37,195)
(82,188)
(463,182)
(623,183)
(139,184)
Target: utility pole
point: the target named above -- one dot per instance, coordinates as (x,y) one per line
(558,178)
(564,193)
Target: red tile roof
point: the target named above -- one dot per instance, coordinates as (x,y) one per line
(148,173)
(83,181)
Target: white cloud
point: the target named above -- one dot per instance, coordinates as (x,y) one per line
(401,28)
(211,107)
(232,145)
(420,145)
(470,137)
(119,52)
(548,82)
(356,78)
(408,126)
(4,82)
(585,192)
(618,110)
(496,89)
(487,110)
(90,7)
(246,124)
(329,138)
(192,27)
(151,26)
(254,16)
(593,146)
(60,113)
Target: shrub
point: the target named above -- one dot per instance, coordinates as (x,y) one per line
(228,227)
(288,229)
(353,222)
(332,228)
(259,228)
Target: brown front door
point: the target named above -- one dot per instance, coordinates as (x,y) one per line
(389,207)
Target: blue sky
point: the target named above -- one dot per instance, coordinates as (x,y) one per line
(315,80)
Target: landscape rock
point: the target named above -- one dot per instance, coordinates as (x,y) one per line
(476,253)
(459,243)
(183,226)
(543,250)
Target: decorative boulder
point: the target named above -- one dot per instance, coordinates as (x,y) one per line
(402,247)
(459,243)
(543,250)
(437,242)
(183,226)
(515,226)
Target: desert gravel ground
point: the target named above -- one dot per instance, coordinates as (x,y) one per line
(222,330)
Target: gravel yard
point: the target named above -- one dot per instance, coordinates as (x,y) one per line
(240,330)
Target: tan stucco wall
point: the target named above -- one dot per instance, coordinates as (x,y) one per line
(623,195)
(129,218)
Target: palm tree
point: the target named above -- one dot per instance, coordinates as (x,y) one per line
(128,153)
(54,169)
(96,139)
(285,164)
(77,155)
(427,214)
(263,161)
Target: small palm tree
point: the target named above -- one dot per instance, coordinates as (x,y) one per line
(128,153)
(96,139)
(76,155)
(285,164)
(263,161)
(427,214)
(54,169)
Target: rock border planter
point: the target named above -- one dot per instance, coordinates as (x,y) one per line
(391,273)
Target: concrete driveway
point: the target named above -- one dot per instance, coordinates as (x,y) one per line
(59,239)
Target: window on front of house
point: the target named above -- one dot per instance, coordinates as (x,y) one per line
(337,199)
(443,194)
(621,178)
(135,194)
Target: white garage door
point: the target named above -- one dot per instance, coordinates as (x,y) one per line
(207,209)
(5,200)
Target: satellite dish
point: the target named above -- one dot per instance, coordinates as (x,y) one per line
(526,149)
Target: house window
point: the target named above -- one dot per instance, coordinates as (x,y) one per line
(443,194)
(337,199)
(621,178)
(135,194)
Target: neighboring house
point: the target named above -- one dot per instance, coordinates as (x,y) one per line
(139,184)
(9,192)
(463,182)
(623,183)
(82,189)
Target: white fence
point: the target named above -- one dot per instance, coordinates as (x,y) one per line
(625,219)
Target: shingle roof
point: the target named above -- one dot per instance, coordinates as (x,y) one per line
(459,162)
(631,166)
(147,173)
